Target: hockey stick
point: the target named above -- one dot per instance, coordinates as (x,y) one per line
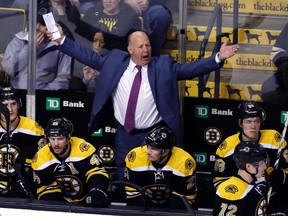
(279,153)
(6,113)
(135,186)
(187,205)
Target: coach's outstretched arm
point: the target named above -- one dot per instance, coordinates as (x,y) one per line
(226,50)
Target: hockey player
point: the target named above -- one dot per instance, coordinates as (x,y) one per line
(250,118)
(67,168)
(163,170)
(239,195)
(17,149)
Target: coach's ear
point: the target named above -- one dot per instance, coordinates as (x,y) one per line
(129,48)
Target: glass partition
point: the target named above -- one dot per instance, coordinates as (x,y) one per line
(259,27)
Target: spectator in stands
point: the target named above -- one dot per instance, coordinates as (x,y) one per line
(59,8)
(68,168)
(164,171)
(83,5)
(89,74)
(4,79)
(240,195)
(157,19)
(275,88)
(250,118)
(17,148)
(158,100)
(117,17)
(53,68)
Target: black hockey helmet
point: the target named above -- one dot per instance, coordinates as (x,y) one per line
(9,93)
(249,152)
(161,137)
(250,109)
(59,127)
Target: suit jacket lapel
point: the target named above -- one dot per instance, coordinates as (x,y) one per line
(152,78)
(111,78)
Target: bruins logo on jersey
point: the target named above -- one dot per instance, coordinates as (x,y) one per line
(189,164)
(70,185)
(38,126)
(158,193)
(84,147)
(223,145)
(261,208)
(231,189)
(8,157)
(131,156)
(277,137)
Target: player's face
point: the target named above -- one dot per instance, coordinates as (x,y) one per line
(140,48)
(13,107)
(154,154)
(58,144)
(251,128)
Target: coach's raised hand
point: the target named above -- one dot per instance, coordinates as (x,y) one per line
(59,40)
(227,51)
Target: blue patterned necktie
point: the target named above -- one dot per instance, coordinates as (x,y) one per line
(132,102)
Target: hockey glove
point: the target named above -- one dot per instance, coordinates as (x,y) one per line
(277,178)
(97,198)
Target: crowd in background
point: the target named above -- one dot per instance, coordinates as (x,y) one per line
(104,26)
(81,20)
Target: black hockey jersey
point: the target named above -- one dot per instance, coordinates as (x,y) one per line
(162,185)
(72,177)
(225,166)
(25,140)
(236,197)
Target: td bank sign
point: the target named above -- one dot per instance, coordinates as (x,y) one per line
(55,104)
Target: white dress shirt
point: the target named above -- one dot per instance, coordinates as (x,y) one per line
(146,114)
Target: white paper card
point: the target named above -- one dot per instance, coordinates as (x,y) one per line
(51,25)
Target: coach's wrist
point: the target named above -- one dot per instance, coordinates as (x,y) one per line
(218,58)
